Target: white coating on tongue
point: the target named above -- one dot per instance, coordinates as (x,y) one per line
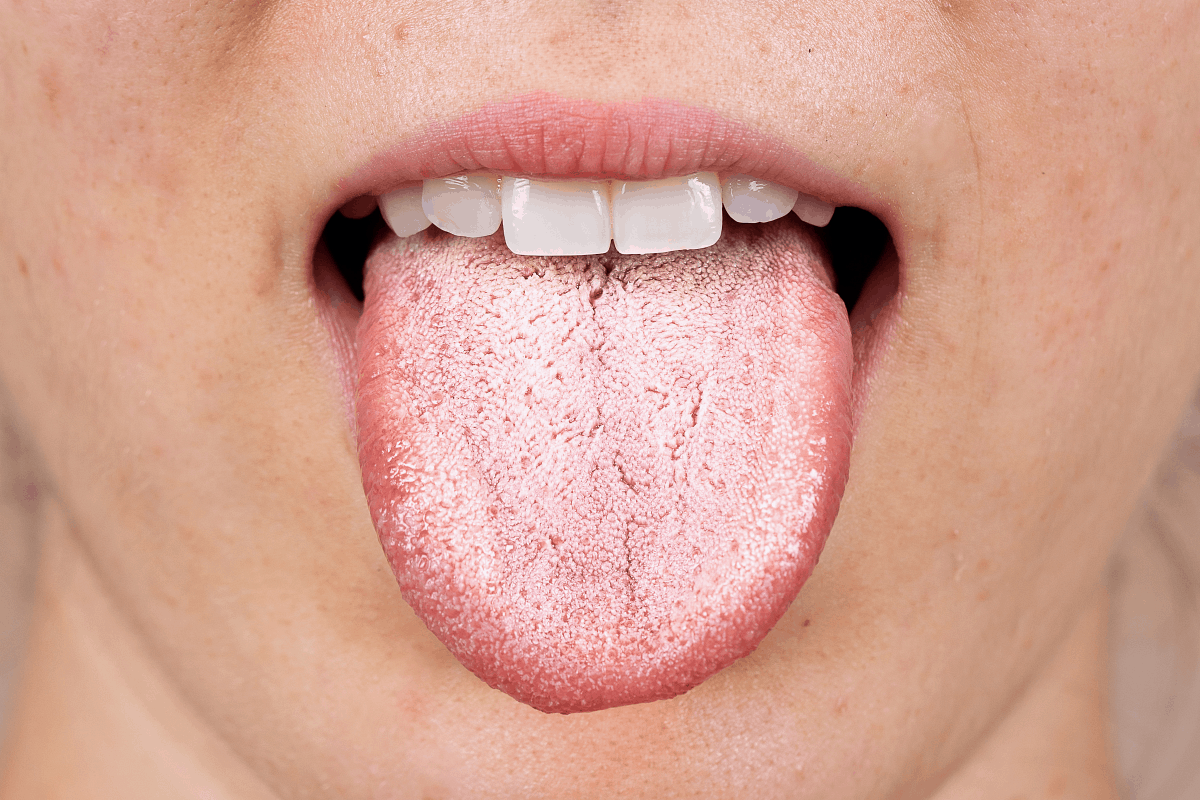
(601,479)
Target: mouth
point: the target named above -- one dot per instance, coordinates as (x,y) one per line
(604,427)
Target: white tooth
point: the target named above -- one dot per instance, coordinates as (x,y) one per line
(556,218)
(402,211)
(748,199)
(813,211)
(669,214)
(465,205)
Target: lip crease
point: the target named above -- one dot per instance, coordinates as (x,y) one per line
(544,134)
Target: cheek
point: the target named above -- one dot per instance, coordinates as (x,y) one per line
(115,99)
(111,106)
(116,238)
(1085,233)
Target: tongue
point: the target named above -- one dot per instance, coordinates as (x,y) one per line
(599,480)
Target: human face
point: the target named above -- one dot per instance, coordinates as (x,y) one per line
(170,169)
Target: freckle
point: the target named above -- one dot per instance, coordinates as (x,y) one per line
(807,622)
(22,267)
(400,32)
(51,84)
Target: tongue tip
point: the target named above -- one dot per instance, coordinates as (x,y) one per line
(584,699)
(556,688)
(618,686)
(561,674)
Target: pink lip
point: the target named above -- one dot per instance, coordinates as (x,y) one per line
(544,134)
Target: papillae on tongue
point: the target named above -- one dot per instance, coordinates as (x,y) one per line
(599,480)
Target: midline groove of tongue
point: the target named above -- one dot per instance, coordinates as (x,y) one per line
(599,480)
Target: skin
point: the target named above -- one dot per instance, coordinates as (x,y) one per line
(214,613)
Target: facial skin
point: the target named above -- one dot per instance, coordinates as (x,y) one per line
(215,611)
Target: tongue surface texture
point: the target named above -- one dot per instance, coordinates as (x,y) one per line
(599,480)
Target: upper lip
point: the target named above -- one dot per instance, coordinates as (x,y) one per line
(544,134)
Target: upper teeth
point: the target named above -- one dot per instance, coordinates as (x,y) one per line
(750,200)
(580,217)
(402,210)
(466,205)
(556,218)
(668,214)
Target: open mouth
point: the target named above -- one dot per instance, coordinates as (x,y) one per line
(854,239)
(604,427)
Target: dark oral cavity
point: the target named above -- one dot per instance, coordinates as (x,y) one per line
(600,480)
